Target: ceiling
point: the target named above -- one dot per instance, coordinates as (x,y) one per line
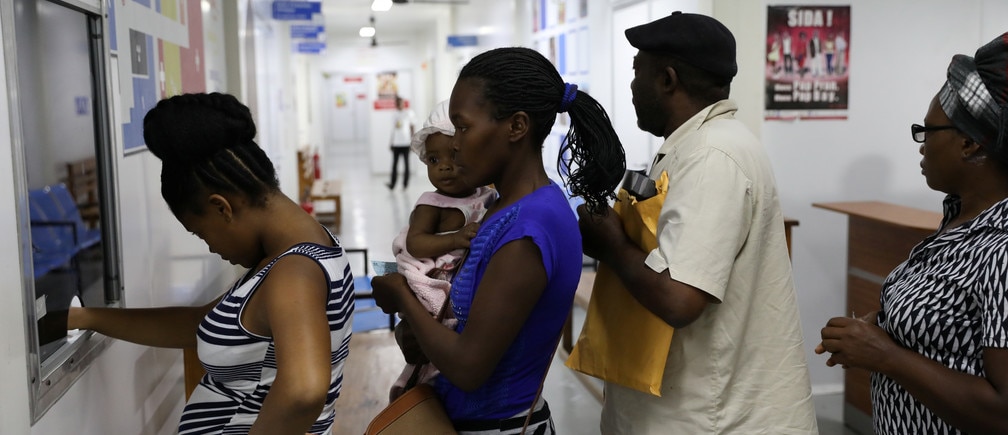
(344,18)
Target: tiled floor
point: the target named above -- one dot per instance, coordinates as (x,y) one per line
(372,216)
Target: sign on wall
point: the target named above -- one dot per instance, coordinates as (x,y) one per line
(307,37)
(387,91)
(295,10)
(807,68)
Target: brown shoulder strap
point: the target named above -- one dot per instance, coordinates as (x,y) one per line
(528,417)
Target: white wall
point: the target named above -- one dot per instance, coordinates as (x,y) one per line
(14,411)
(276,113)
(214,46)
(127,389)
(899,53)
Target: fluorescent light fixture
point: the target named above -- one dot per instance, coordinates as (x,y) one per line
(366,32)
(381,5)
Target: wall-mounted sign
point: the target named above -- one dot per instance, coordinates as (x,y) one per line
(306,31)
(295,10)
(309,47)
(463,40)
(81,105)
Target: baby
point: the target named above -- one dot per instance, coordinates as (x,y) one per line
(441,225)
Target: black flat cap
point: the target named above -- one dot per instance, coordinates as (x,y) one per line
(698,40)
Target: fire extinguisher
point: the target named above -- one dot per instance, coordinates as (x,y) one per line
(308,207)
(315,164)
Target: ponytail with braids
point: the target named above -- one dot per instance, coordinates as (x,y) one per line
(517,79)
(206,144)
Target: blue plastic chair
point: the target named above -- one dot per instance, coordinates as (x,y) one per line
(52,239)
(364,300)
(66,207)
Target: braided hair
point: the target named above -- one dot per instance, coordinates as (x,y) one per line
(205,143)
(517,79)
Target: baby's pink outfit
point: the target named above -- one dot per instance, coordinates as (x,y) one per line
(430,279)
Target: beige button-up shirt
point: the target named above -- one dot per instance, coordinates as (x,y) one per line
(740,367)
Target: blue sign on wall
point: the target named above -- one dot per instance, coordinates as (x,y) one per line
(306,31)
(462,40)
(295,10)
(310,47)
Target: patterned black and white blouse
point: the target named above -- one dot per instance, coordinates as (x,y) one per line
(947,301)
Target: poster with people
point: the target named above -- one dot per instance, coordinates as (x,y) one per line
(807,66)
(388,89)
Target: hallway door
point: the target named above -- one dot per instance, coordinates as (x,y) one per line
(346,106)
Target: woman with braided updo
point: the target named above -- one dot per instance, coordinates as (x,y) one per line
(515,288)
(274,344)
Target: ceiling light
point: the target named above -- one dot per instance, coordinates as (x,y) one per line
(381,5)
(366,32)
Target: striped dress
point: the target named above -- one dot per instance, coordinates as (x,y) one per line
(241,366)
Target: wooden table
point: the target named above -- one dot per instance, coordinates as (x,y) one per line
(329,190)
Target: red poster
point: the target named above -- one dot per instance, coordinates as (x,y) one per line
(388,89)
(807,62)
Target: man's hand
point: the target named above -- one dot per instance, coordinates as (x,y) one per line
(600,234)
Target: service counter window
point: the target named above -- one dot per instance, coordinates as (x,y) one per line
(64,176)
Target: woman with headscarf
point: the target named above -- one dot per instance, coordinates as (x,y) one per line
(938,348)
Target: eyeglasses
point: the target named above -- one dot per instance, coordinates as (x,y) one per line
(919,131)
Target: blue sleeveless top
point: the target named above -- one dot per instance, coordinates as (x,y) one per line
(544,217)
(241,365)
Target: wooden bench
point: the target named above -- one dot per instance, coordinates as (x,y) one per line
(193,370)
(81,180)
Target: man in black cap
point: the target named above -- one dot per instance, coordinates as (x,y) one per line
(721,274)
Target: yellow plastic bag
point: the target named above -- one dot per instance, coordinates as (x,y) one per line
(621,341)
